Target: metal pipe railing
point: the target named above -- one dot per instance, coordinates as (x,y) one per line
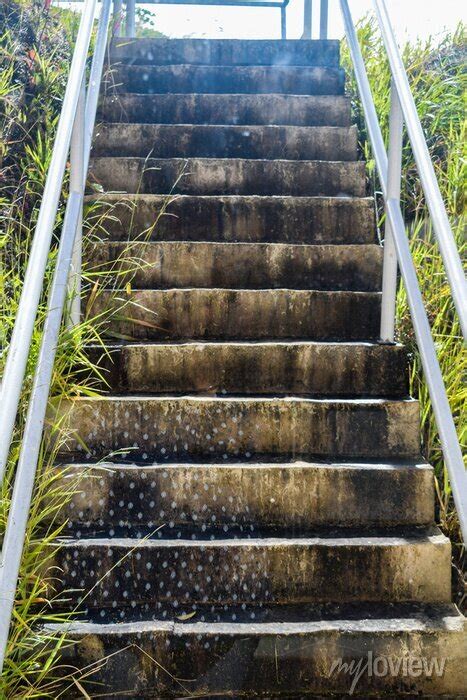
(83,119)
(77,177)
(130,24)
(307,19)
(439,217)
(433,376)
(394,174)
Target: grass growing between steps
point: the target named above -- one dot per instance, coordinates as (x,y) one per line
(35,51)
(436,70)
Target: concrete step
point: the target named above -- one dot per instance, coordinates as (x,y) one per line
(238,314)
(202,108)
(313,220)
(211,176)
(198,427)
(220,141)
(242,498)
(241,265)
(224,52)
(185,78)
(298,368)
(268,570)
(273,652)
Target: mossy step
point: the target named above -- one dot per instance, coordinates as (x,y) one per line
(211,176)
(152,265)
(205,108)
(239,314)
(234,218)
(186,78)
(197,427)
(273,651)
(244,498)
(224,52)
(221,141)
(127,572)
(298,368)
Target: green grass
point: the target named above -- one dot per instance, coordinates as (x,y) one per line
(438,79)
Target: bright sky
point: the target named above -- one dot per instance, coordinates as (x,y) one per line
(411,18)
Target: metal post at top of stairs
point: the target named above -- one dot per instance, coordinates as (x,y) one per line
(308,22)
(389,290)
(130,23)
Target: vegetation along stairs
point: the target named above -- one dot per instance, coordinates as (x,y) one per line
(266,513)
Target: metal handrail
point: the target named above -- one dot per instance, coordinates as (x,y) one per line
(74,133)
(398,239)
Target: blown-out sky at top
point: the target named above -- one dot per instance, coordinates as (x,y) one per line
(410,18)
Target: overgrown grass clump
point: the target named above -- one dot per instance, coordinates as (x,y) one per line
(438,79)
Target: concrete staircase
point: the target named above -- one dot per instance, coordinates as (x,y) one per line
(266,512)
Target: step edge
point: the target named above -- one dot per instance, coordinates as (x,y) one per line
(299,247)
(373,401)
(237,127)
(451,621)
(428,536)
(232,160)
(110,467)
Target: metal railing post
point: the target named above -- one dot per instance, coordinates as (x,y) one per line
(393,191)
(130,23)
(77,180)
(117,18)
(307,14)
(323,19)
(283,21)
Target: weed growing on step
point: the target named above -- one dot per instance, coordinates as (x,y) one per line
(436,70)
